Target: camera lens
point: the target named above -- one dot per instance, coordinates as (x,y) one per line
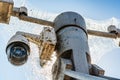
(18,53)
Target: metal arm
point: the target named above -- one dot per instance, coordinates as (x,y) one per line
(16,12)
(21,13)
(103,34)
(46,42)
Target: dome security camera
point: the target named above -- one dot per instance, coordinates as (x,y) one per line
(112,29)
(18,50)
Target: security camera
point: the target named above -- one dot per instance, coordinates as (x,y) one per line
(18,50)
(23,11)
(112,29)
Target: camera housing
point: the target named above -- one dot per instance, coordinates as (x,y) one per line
(18,50)
(23,11)
(112,29)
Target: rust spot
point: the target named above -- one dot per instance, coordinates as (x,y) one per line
(48,30)
(76,29)
(49,40)
(75,20)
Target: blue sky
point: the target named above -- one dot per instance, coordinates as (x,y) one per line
(93,9)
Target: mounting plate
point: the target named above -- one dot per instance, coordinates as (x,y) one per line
(6,8)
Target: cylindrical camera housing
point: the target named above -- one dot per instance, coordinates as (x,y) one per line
(72,40)
(18,50)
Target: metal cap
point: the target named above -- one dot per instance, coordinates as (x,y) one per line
(69,18)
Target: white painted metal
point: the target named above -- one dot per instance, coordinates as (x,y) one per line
(46,42)
(62,68)
(49,23)
(6,7)
(103,34)
(7,1)
(23,11)
(96,70)
(82,76)
(74,74)
(16,12)
(73,37)
(69,18)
